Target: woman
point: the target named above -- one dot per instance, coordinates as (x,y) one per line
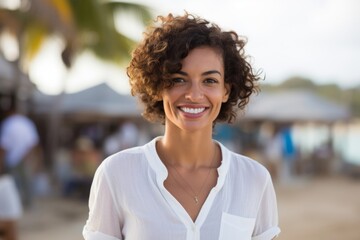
(184,185)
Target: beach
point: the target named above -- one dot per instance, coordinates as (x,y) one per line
(309,208)
(318,209)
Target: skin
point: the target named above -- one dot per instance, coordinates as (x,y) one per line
(9,230)
(191,105)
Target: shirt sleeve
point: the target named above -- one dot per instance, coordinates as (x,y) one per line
(104,217)
(266,225)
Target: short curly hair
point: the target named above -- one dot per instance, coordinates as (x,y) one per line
(169,41)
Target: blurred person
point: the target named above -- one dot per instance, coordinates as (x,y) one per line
(129,135)
(189,74)
(323,158)
(125,137)
(272,146)
(288,152)
(85,158)
(19,142)
(112,142)
(10,201)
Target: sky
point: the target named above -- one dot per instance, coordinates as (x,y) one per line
(315,39)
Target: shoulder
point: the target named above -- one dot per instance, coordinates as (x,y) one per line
(19,127)
(248,169)
(124,167)
(130,162)
(125,158)
(18,121)
(249,164)
(237,160)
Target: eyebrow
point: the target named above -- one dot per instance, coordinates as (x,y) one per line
(203,74)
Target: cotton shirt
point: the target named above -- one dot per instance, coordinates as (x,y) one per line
(18,137)
(128,200)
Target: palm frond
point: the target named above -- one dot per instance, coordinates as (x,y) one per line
(96,24)
(33,38)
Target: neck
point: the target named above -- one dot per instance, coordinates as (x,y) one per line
(187,149)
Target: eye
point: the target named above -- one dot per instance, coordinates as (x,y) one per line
(177,80)
(210,80)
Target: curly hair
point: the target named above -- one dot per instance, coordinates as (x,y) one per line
(169,41)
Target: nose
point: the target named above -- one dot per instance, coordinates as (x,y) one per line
(194,93)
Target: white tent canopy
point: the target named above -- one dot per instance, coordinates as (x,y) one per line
(100,100)
(294,106)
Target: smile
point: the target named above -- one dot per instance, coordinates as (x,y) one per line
(192,110)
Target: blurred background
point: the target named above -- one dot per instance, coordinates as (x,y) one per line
(62,65)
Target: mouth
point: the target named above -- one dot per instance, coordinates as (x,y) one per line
(192,110)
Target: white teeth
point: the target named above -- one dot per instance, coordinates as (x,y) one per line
(193,110)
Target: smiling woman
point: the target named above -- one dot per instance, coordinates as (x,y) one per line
(194,100)
(190,75)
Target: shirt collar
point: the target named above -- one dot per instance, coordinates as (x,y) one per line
(161,172)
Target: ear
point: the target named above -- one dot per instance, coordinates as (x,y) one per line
(227,92)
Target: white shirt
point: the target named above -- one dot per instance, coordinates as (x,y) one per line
(128,200)
(18,136)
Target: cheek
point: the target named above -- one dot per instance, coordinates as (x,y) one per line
(221,96)
(167,103)
(172,93)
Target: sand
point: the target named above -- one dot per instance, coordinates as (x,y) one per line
(313,209)
(319,209)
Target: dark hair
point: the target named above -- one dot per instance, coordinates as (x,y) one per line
(169,41)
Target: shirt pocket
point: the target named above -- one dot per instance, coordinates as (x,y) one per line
(235,227)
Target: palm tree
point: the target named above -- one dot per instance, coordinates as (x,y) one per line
(82,25)
(86,25)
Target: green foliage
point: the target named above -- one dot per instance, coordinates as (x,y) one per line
(298,82)
(95,23)
(84,25)
(353,98)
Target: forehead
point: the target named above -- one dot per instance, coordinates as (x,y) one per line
(203,57)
